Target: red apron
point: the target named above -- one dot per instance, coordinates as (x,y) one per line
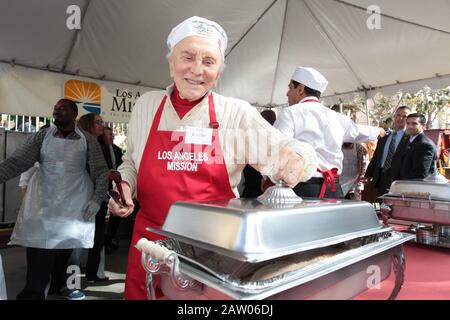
(158,188)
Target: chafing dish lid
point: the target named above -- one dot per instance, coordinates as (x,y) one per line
(248,230)
(420,189)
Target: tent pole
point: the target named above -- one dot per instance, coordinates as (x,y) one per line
(366,97)
(279,52)
(381,87)
(82,75)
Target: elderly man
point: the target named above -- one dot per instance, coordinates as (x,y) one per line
(189,143)
(62,198)
(307,120)
(386,163)
(419,160)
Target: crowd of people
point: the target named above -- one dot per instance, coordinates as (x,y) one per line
(309,146)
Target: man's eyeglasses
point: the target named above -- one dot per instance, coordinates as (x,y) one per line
(100,123)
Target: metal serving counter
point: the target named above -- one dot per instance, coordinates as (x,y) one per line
(251,249)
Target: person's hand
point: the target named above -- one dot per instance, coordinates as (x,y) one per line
(120,210)
(90,209)
(382,133)
(289,167)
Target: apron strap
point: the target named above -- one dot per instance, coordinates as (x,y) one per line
(328,179)
(157,117)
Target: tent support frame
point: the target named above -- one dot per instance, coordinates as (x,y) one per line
(75,37)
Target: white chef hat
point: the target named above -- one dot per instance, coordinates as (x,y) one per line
(311,78)
(198,26)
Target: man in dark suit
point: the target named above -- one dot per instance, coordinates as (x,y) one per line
(420,158)
(386,163)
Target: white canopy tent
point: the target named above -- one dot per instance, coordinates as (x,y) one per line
(124,41)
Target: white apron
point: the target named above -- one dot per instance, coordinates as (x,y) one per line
(50,216)
(350,173)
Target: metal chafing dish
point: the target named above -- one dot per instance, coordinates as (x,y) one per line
(265,249)
(424,202)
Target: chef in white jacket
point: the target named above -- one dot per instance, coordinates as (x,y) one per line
(307,120)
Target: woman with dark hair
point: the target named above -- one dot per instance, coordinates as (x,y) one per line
(93,123)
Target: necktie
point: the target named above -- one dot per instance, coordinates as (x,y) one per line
(390,155)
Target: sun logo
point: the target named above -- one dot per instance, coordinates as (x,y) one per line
(88,94)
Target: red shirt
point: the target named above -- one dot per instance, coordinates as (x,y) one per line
(182,106)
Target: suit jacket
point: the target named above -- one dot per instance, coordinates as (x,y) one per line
(419,159)
(373,170)
(117,153)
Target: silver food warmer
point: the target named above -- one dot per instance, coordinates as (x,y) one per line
(426,204)
(271,249)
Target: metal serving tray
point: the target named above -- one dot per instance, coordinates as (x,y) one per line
(420,189)
(417,210)
(342,276)
(248,230)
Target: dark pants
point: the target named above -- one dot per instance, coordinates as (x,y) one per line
(94,253)
(41,264)
(384,182)
(312,187)
(113,226)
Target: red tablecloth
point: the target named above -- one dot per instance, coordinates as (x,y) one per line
(427,276)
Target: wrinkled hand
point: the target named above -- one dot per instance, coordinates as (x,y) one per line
(289,167)
(122,211)
(90,209)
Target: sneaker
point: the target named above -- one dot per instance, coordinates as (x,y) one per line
(72,294)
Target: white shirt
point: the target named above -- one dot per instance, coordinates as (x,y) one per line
(398,138)
(412,138)
(243,134)
(324,129)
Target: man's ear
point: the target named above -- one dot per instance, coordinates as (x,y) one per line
(301,89)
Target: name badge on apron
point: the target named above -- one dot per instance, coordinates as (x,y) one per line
(196,135)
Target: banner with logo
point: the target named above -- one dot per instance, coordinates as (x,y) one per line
(30,92)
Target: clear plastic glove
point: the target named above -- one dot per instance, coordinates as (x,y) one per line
(90,209)
(289,167)
(120,210)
